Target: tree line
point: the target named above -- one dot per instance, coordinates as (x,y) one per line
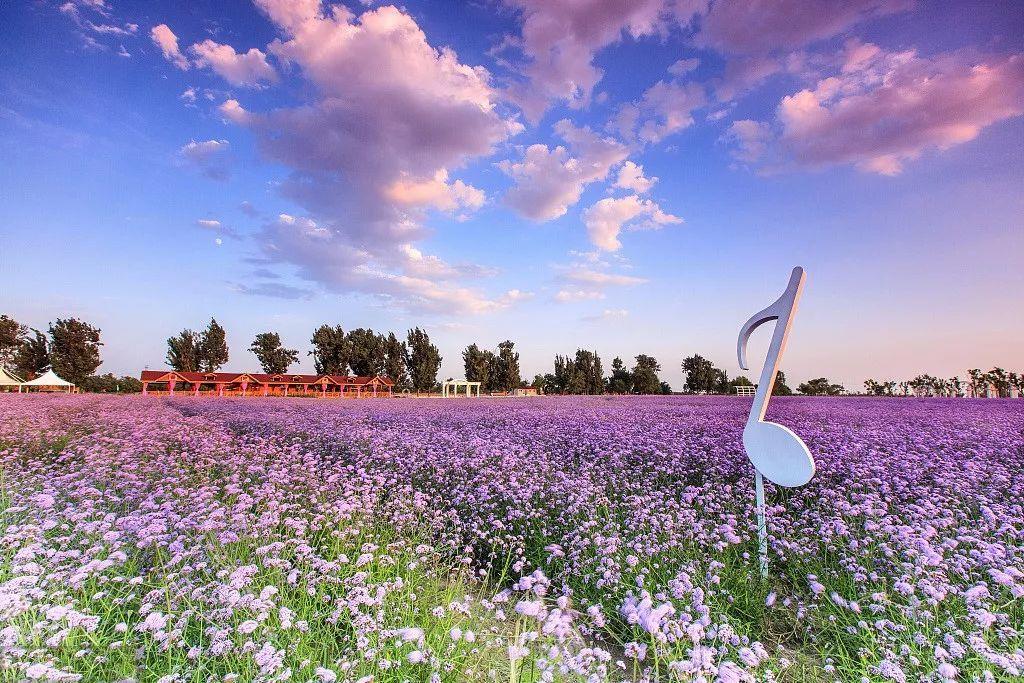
(978,382)
(411,363)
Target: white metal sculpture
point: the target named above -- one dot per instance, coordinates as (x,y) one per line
(775,451)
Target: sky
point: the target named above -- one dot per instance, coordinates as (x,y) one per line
(628,177)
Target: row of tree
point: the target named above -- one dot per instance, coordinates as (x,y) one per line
(978,384)
(410,364)
(70,347)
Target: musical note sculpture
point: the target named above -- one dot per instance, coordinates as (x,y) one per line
(775,451)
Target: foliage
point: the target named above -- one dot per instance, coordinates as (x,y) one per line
(110,384)
(366,352)
(394,362)
(212,348)
(183,351)
(580,375)
(645,375)
(331,350)
(820,387)
(423,360)
(33,357)
(477,365)
(781,388)
(701,376)
(621,381)
(12,335)
(74,349)
(273,357)
(506,373)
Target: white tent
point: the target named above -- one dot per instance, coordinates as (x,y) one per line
(8,380)
(50,380)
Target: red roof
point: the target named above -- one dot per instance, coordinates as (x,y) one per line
(258,378)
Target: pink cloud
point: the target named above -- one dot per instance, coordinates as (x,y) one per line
(631,177)
(664,108)
(248,69)
(884,109)
(209,156)
(164,38)
(372,150)
(550,180)
(745,27)
(560,38)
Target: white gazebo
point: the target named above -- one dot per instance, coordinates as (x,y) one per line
(451,387)
(9,381)
(49,381)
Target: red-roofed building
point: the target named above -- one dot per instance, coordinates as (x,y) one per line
(172,382)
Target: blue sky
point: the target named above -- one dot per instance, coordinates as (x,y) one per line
(487,170)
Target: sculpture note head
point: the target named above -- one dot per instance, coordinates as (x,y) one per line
(778,454)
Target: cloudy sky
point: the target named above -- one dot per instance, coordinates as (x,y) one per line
(633,177)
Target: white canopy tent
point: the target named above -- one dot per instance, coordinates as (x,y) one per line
(49,381)
(9,381)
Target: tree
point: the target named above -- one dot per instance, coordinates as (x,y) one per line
(74,349)
(645,375)
(272,355)
(394,361)
(1016,379)
(666,388)
(366,352)
(477,363)
(331,350)
(621,381)
(1000,381)
(12,334)
(538,383)
(33,358)
(700,374)
(596,376)
(781,388)
(109,384)
(423,360)
(212,348)
(507,377)
(820,387)
(976,381)
(738,381)
(183,351)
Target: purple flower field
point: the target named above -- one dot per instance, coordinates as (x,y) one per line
(550,539)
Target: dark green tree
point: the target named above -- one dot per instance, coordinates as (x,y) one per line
(666,388)
(183,351)
(477,363)
(621,381)
(738,381)
(645,375)
(12,334)
(507,377)
(538,383)
(781,388)
(331,350)
(272,355)
(820,387)
(74,349)
(366,352)
(33,358)
(701,377)
(423,360)
(212,348)
(394,362)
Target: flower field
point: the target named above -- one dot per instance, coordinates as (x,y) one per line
(556,539)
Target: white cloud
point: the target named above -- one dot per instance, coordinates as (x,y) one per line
(664,108)
(607,218)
